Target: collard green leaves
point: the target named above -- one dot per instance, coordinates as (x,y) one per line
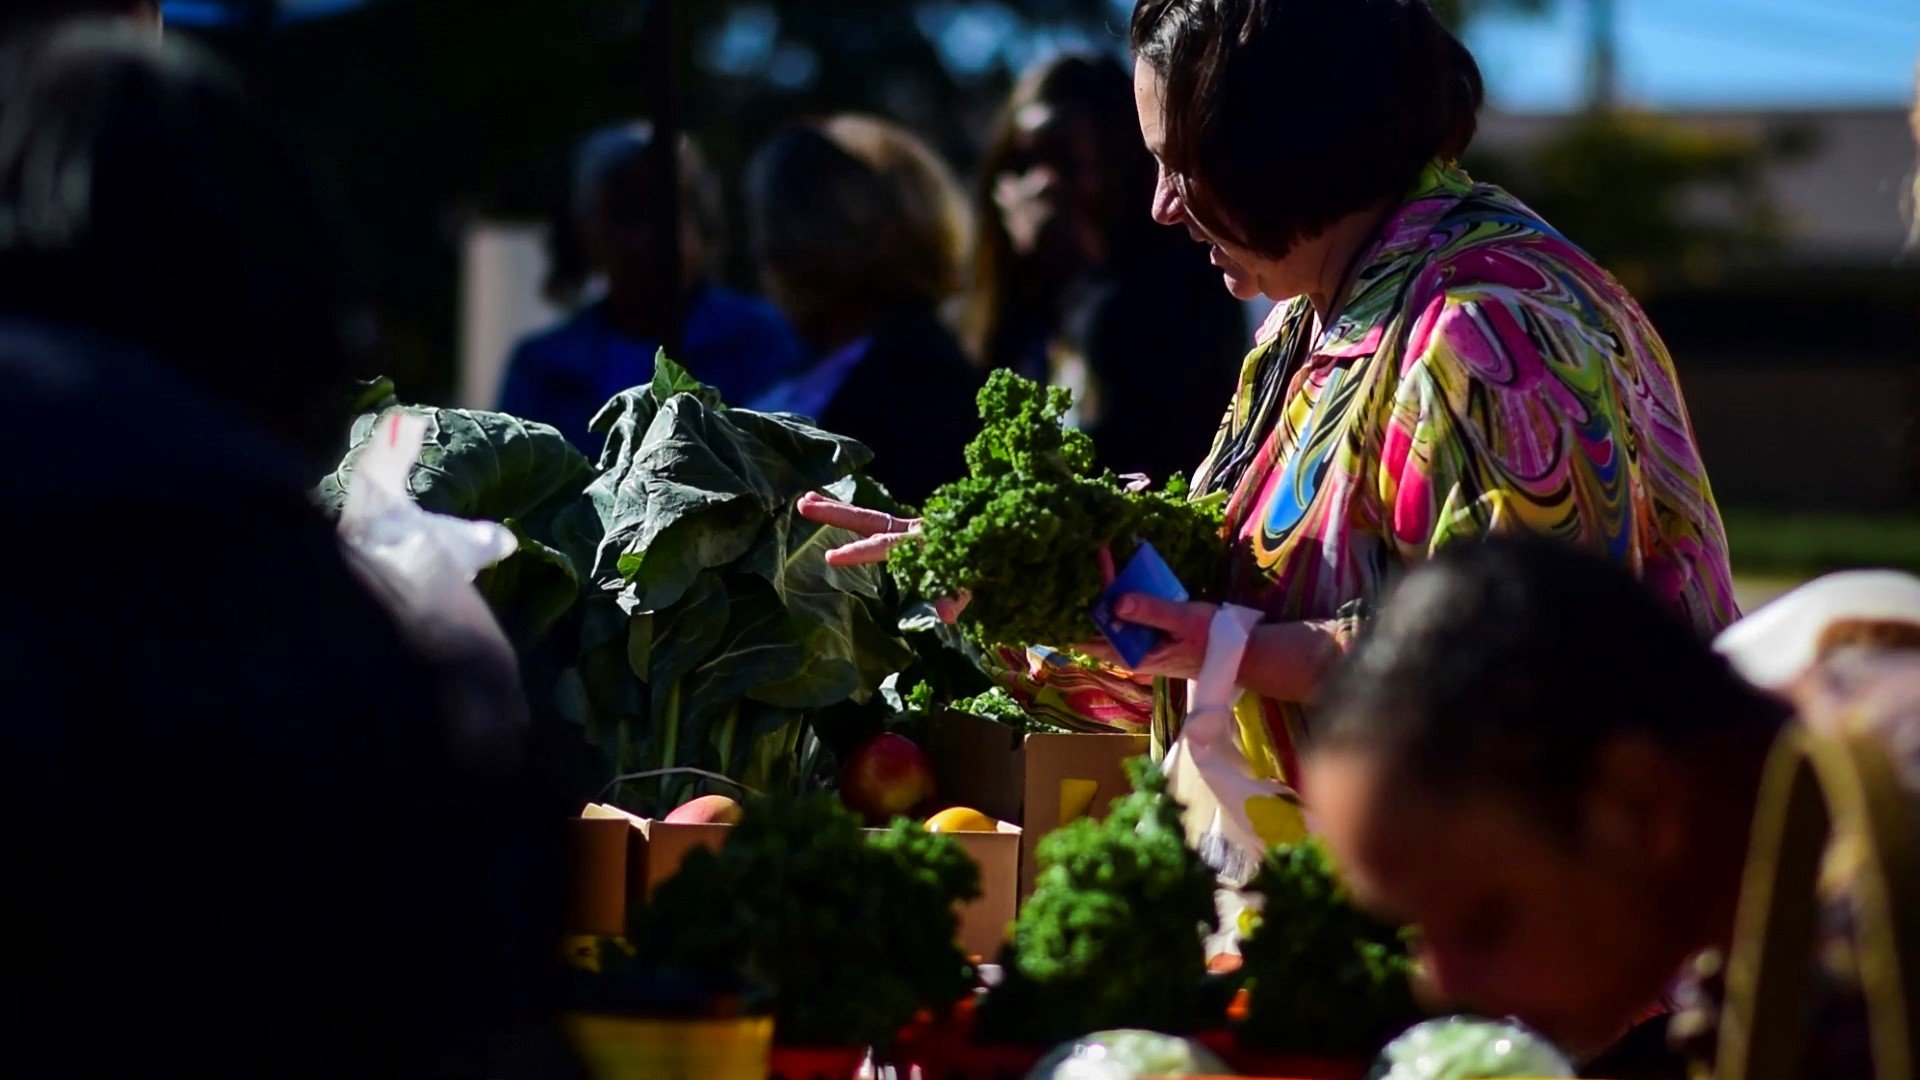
(699,616)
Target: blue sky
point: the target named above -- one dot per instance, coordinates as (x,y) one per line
(1707,53)
(1673,53)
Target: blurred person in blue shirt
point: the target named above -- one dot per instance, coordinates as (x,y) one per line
(608,241)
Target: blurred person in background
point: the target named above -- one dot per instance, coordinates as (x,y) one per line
(1536,764)
(241,839)
(608,238)
(860,234)
(1074,284)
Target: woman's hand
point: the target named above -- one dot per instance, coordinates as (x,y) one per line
(879,533)
(1284,661)
(1184,628)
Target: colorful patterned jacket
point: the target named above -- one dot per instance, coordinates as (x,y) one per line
(1484,375)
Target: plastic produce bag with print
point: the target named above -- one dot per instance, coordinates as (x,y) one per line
(421,567)
(1233,814)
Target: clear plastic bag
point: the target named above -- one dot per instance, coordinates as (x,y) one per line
(1128,1054)
(421,567)
(1233,815)
(1466,1048)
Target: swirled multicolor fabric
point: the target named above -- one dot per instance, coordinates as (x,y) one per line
(1486,376)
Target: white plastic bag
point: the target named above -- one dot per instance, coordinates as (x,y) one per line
(1233,815)
(421,567)
(1776,643)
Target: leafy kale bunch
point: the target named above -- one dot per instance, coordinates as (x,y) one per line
(851,933)
(1322,975)
(995,704)
(1113,934)
(681,613)
(1022,532)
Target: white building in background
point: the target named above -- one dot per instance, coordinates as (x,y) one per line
(502,266)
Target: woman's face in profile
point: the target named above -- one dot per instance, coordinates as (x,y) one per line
(1052,193)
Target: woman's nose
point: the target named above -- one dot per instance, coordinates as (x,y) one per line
(1168,208)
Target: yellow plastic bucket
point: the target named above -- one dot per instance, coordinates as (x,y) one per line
(633,1048)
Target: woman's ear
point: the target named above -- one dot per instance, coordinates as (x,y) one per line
(1636,804)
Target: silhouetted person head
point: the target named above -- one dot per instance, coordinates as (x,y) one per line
(610,225)
(852,218)
(143,198)
(1535,762)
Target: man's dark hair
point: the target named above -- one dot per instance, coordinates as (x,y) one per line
(1508,665)
(1286,115)
(142,197)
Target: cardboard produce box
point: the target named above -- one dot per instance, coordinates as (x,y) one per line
(620,858)
(1041,780)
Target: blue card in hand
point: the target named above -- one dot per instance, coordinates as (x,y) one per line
(1145,573)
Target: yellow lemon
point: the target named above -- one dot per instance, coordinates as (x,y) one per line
(961,819)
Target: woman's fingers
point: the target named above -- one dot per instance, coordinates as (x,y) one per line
(1100,651)
(948,608)
(816,507)
(871,549)
(1106,565)
(1144,610)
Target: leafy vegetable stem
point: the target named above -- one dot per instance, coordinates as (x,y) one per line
(670,728)
(727,729)
(678,770)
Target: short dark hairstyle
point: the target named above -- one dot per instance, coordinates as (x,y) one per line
(1510,664)
(143,197)
(1284,116)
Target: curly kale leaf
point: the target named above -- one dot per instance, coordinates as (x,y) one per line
(1022,531)
(849,933)
(1113,934)
(1322,975)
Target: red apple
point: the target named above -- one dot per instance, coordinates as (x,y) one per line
(706,810)
(886,776)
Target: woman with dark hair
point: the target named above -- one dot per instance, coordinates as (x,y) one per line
(1074,284)
(608,234)
(1442,365)
(860,233)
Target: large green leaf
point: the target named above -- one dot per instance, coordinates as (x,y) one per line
(531,590)
(837,611)
(703,484)
(480,465)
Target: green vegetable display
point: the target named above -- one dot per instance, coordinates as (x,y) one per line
(679,610)
(1022,533)
(995,704)
(1322,975)
(850,933)
(998,705)
(1112,936)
